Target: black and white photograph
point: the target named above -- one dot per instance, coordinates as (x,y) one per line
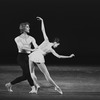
(49,50)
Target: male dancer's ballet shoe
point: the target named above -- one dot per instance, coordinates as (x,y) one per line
(9,87)
(34,90)
(59,90)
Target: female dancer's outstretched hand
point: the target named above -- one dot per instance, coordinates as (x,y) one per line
(72,55)
(39,18)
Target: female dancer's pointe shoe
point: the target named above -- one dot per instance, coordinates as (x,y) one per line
(37,86)
(59,90)
(9,87)
(34,90)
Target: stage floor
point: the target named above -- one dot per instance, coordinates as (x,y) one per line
(76,82)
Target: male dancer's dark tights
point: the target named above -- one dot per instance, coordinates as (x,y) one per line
(22,59)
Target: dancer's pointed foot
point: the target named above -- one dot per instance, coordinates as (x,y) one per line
(9,87)
(37,86)
(59,90)
(34,90)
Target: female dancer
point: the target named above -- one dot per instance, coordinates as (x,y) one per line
(38,57)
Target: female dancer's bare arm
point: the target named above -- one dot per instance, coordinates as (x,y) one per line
(60,56)
(43,28)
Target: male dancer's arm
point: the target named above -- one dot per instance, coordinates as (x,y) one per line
(34,43)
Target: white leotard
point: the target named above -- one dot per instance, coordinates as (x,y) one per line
(45,46)
(38,55)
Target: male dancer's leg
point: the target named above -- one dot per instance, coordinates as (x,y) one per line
(23,62)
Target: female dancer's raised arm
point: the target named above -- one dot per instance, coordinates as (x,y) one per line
(43,28)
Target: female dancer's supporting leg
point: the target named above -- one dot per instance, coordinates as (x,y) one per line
(32,72)
(44,70)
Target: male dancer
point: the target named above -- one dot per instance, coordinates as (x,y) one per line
(23,42)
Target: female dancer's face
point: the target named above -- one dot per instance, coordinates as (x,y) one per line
(55,44)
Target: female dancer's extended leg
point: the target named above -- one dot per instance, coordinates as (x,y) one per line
(44,70)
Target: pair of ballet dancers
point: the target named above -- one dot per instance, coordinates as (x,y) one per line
(37,56)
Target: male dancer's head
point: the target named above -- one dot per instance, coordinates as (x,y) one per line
(24,27)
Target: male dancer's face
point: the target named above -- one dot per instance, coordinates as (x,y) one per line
(27,28)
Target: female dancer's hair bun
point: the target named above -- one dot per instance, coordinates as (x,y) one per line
(56,40)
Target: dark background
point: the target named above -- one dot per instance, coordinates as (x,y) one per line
(75,22)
